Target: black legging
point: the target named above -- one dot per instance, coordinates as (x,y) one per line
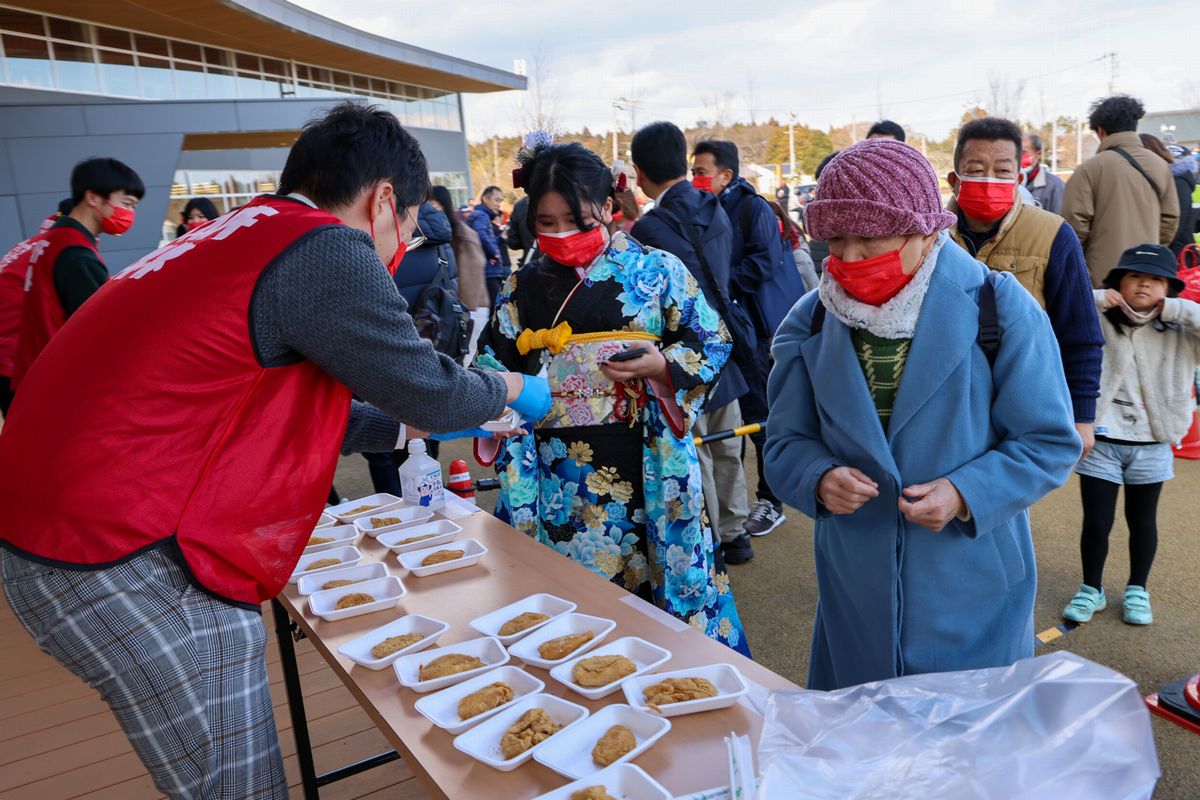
(1141,514)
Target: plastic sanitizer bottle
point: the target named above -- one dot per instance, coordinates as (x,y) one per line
(421,478)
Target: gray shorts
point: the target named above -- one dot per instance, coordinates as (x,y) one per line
(1129,463)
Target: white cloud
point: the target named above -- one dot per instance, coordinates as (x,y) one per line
(828,61)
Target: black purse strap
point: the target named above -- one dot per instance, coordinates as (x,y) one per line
(689,232)
(1133,161)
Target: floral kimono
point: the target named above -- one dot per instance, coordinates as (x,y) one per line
(610,477)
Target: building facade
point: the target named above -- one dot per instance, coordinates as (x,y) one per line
(202,98)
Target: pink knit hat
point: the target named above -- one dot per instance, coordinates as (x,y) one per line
(878,187)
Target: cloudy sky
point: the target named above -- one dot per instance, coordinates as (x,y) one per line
(829,62)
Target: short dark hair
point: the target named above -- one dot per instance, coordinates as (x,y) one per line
(660,151)
(104,176)
(575,172)
(488,191)
(202,204)
(345,152)
(1116,114)
(442,195)
(988,129)
(885,127)
(725,154)
(824,163)
(1036,141)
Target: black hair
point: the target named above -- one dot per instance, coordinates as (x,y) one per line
(442,195)
(104,176)
(660,151)
(1036,141)
(824,163)
(725,154)
(885,127)
(202,204)
(488,191)
(65,206)
(344,153)
(574,172)
(1116,114)
(988,129)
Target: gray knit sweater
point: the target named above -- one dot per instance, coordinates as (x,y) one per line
(329,300)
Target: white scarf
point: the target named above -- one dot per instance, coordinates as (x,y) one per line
(895,319)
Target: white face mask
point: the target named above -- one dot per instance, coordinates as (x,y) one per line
(1136,316)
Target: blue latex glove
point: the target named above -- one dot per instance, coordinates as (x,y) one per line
(534,401)
(470,433)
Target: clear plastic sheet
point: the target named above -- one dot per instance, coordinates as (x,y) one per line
(1051,728)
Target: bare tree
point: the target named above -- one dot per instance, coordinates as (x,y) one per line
(1004,98)
(541,108)
(718,106)
(751,97)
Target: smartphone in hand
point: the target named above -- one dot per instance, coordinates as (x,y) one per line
(628,355)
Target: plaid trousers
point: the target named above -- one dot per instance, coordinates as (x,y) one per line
(184,673)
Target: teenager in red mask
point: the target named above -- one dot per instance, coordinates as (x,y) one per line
(140,538)
(1039,248)
(915,453)
(631,348)
(63,267)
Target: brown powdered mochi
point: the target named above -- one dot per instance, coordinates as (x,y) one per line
(616,742)
(485,699)
(358,510)
(442,556)
(602,670)
(319,540)
(383,522)
(340,583)
(563,646)
(534,727)
(521,622)
(449,664)
(321,563)
(592,793)
(394,643)
(678,690)
(355,599)
(412,539)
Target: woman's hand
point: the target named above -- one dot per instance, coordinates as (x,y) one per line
(933,504)
(844,490)
(652,364)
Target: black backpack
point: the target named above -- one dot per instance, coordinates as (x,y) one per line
(440,316)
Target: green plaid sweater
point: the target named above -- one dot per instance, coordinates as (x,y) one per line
(882,361)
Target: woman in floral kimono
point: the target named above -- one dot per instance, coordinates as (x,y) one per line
(610,476)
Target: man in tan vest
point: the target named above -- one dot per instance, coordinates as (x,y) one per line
(1039,248)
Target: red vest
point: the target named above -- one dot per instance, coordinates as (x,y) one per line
(150,417)
(13,267)
(42,313)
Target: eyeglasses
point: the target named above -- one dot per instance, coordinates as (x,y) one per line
(416,238)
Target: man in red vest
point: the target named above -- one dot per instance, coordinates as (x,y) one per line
(13,268)
(62,266)
(143,528)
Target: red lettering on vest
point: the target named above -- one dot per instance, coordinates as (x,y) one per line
(149,417)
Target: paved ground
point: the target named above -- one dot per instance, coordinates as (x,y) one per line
(776,594)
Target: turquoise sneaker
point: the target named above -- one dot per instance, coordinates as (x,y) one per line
(1137,606)
(1086,602)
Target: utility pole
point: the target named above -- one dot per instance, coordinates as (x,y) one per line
(1114,69)
(616,106)
(1078,143)
(496,159)
(792,146)
(1054,144)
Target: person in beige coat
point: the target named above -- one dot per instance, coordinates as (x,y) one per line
(1122,196)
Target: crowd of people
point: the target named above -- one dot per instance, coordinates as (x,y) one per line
(916,373)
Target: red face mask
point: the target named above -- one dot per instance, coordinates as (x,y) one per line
(1026,160)
(573,248)
(703,182)
(119,221)
(873,280)
(397,256)
(986,199)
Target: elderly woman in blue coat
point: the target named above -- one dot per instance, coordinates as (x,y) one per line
(916,453)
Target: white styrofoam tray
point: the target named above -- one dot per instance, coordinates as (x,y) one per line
(621,780)
(408,515)
(342,535)
(527,648)
(346,556)
(363,572)
(506,422)
(381,501)
(386,591)
(441,708)
(646,656)
(553,607)
(572,756)
(473,551)
(728,681)
(359,650)
(439,532)
(482,742)
(326,520)
(487,649)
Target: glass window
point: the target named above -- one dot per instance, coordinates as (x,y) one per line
(189,81)
(118,74)
(341,81)
(273,66)
(155,77)
(108,37)
(250,86)
(150,45)
(70,31)
(186,51)
(221,83)
(217,58)
(20,22)
(247,63)
(75,66)
(27,61)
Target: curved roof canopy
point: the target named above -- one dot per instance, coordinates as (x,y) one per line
(282,30)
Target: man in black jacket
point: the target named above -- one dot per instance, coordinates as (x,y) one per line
(659,153)
(763,282)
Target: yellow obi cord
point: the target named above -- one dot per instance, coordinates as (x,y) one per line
(556,338)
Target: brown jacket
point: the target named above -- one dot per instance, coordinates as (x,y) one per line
(1021,245)
(1112,207)
(468,252)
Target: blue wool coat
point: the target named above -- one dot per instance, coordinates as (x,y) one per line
(896,598)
